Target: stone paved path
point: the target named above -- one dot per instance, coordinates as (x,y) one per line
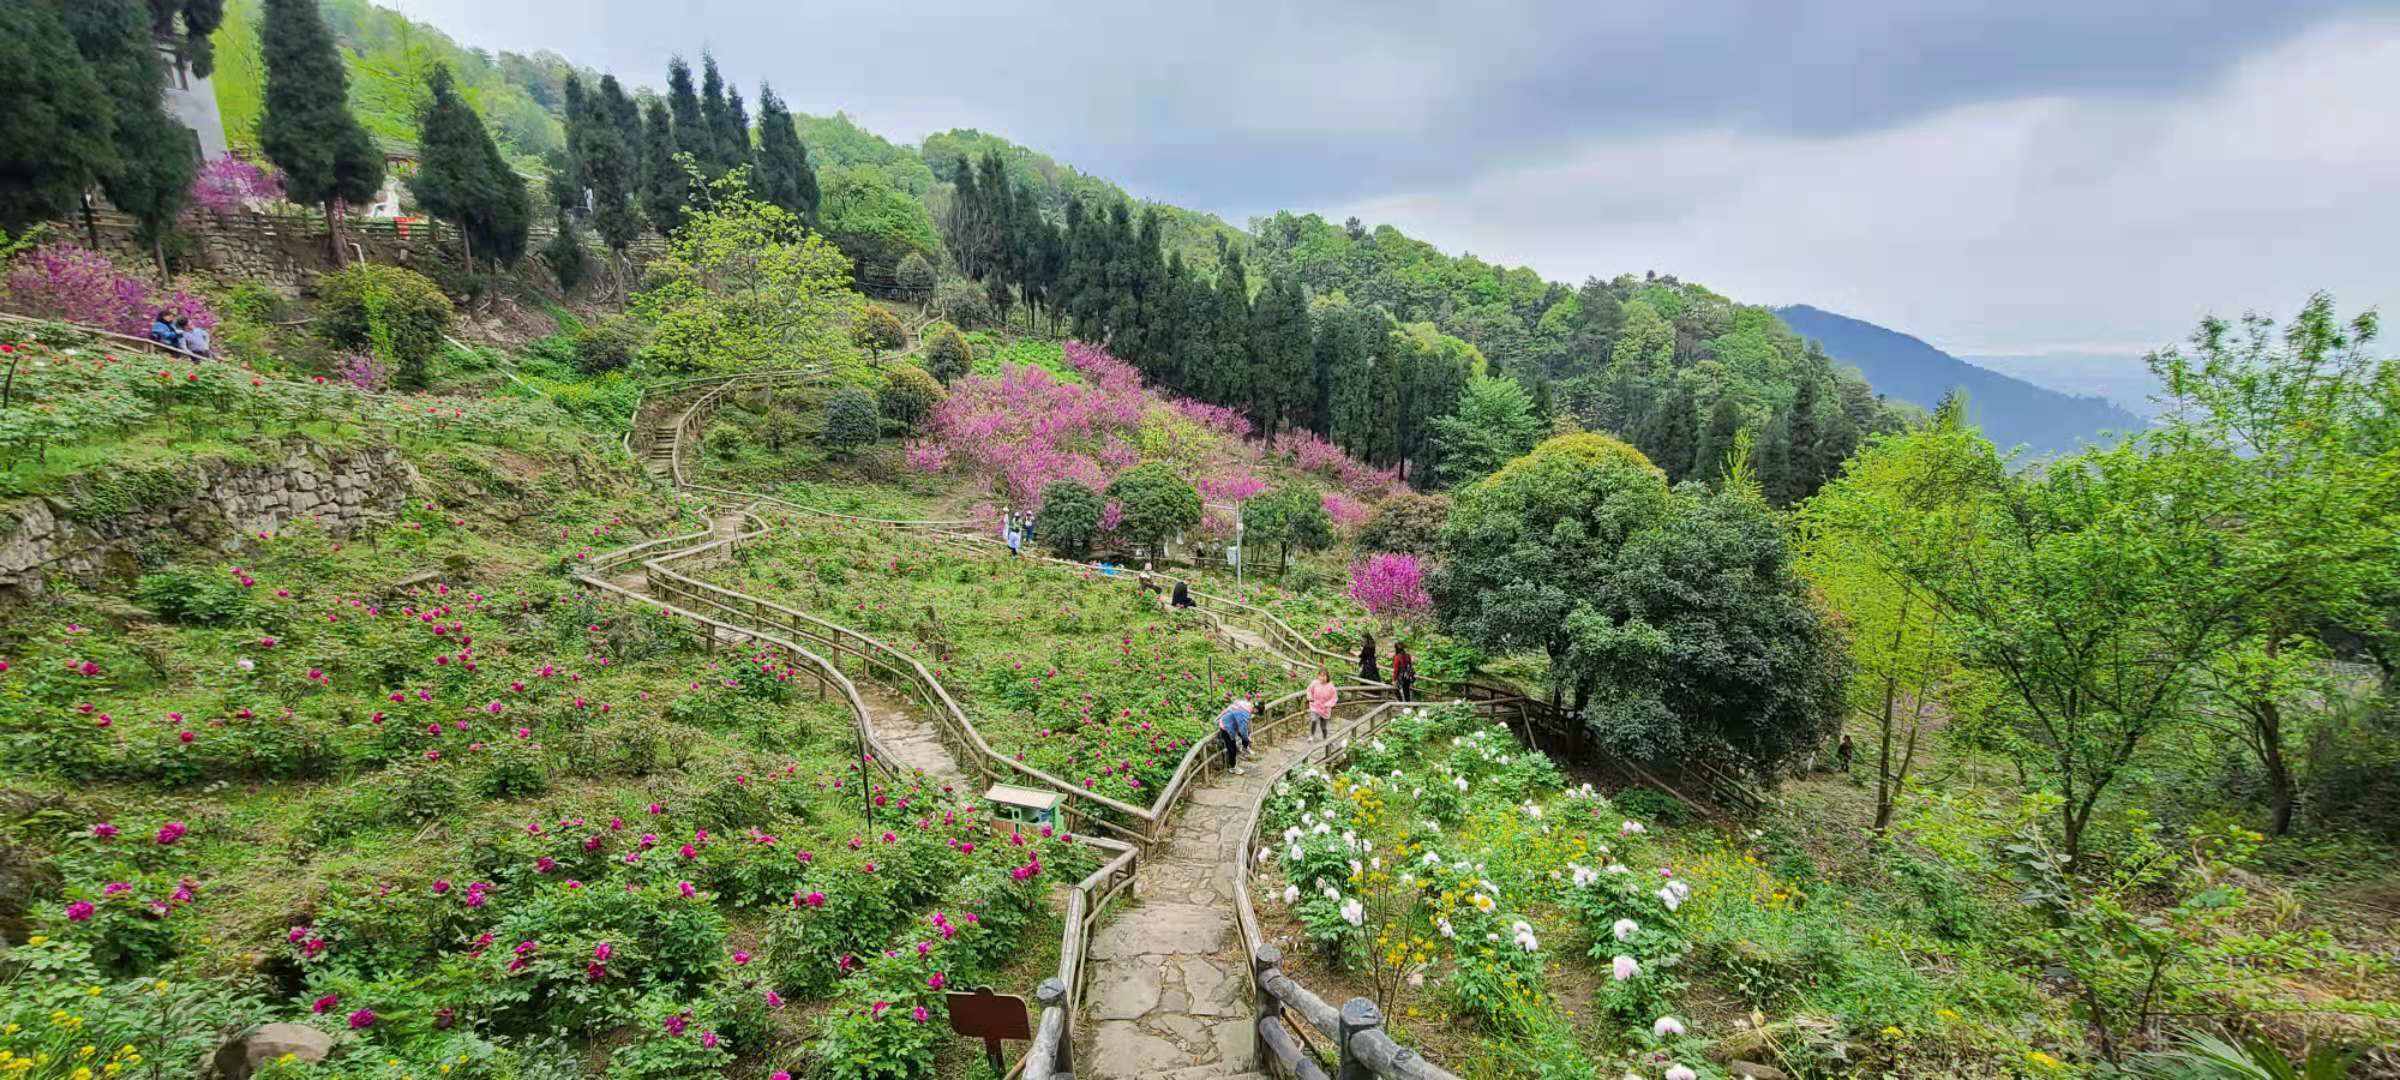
(911,739)
(1166,996)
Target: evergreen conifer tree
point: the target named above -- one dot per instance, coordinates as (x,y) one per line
(692,135)
(663,181)
(1226,381)
(155,160)
(784,177)
(190,25)
(461,176)
(716,115)
(56,124)
(603,166)
(306,128)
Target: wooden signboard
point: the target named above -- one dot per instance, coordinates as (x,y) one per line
(982,1014)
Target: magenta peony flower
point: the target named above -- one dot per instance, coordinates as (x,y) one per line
(363,1018)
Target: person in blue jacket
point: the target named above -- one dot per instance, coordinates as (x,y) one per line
(1233,726)
(162,330)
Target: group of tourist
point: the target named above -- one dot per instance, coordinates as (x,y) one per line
(179,332)
(1233,725)
(1016,530)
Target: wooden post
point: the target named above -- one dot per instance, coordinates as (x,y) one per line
(1359,1016)
(1266,961)
(1052,994)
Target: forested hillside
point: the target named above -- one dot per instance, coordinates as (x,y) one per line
(1367,337)
(2011,411)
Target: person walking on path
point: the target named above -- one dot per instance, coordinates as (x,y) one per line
(1367,671)
(1016,538)
(1404,670)
(1233,728)
(1321,698)
(1843,752)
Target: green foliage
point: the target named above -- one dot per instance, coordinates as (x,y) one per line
(877,330)
(1408,521)
(609,345)
(949,355)
(784,176)
(461,176)
(110,495)
(1069,520)
(565,257)
(191,595)
(393,313)
(908,396)
(1155,503)
(851,421)
(1494,425)
(1288,516)
(744,287)
(55,134)
(305,127)
(915,276)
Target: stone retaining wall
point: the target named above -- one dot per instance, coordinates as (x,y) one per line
(221,510)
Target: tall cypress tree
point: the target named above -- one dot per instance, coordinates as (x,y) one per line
(735,139)
(1226,381)
(1281,374)
(461,176)
(716,116)
(692,135)
(152,177)
(306,129)
(604,166)
(663,182)
(56,125)
(784,177)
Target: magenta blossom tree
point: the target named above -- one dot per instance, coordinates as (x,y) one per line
(227,183)
(66,282)
(1391,586)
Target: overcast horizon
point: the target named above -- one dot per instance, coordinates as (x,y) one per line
(2055,177)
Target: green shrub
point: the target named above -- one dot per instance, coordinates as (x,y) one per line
(392,313)
(851,421)
(908,396)
(1655,805)
(724,441)
(949,356)
(609,345)
(186,595)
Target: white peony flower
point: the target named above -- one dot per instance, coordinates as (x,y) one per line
(1666,1025)
(1668,895)
(1631,828)
(1624,929)
(1533,811)
(1626,967)
(1446,929)
(1679,1072)
(1291,894)
(1354,912)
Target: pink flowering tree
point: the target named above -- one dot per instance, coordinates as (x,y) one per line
(228,183)
(1347,513)
(1391,586)
(66,282)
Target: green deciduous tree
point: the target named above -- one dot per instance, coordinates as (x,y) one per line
(1905,500)
(1155,503)
(1287,516)
(2291,433)
(306,129)
(1494,424)
(1069,520)
(915,277)
(743,286)
(1408,522)
(461,176)
(878,331)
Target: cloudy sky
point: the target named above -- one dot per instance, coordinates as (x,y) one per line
(2018,177)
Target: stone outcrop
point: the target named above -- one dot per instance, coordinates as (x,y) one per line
(204,506)
(238,1059)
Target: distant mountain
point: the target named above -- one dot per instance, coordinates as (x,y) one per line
(2011,411)
(2122,378)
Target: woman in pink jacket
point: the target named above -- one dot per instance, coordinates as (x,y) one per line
(1321,697)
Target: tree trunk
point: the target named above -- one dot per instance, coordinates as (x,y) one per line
(2280,790)
(1883,758)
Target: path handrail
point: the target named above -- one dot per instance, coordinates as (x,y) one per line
(1051,1056)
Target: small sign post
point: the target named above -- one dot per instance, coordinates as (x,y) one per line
(983,1014)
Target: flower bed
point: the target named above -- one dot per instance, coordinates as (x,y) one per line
(1085,679)
(476,830)
(1457,878)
